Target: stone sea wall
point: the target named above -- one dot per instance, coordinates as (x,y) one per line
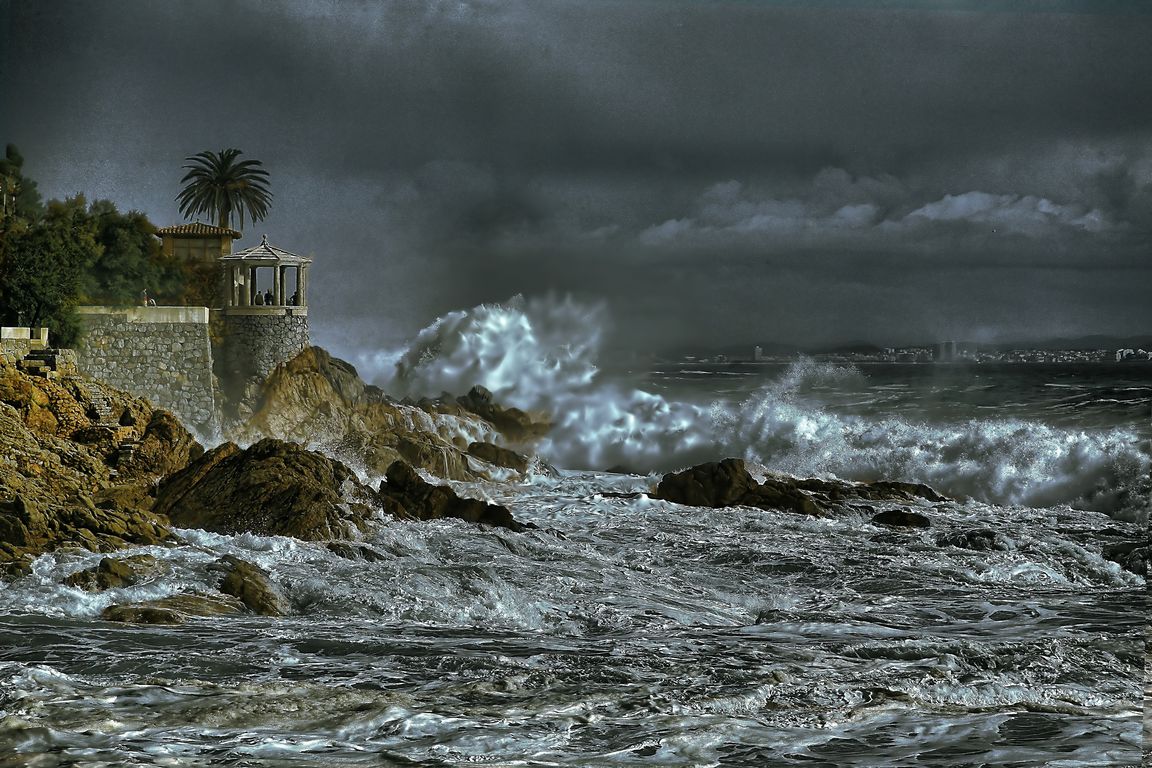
(254,342)
(161,353)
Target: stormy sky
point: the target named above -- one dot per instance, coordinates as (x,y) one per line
(716,172)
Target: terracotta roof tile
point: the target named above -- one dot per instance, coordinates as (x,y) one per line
(196,229)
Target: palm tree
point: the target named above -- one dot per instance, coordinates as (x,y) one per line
(217,184)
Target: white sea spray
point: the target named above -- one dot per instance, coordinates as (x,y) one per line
(542,355)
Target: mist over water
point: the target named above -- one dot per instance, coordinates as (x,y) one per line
(542,355)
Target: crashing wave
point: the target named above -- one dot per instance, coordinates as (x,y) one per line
(542,355)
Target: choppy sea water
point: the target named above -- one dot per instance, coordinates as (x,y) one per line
(632,631)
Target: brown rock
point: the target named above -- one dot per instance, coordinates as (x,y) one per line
(165,447)
(175,609)
(501,457)
(141,614)
(406,495)
(273,488)
(318,400)
(62,450)
(513,423)
(113,573)
(249,584)
(728,483)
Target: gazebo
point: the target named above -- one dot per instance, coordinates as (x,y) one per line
(257,281)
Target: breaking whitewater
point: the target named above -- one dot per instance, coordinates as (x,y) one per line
(627,630)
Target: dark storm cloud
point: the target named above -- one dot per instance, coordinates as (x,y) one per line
(658,154)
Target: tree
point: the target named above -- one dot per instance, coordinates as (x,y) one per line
(44,266)
(220,185)
(19,197)
(130,260)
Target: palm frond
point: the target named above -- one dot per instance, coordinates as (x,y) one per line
(219,185)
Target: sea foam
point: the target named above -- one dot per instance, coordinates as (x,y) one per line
(541,355)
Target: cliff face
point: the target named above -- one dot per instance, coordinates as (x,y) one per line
(78,463)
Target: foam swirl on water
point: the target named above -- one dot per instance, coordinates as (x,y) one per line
(541,355)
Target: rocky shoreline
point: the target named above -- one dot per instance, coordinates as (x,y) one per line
(87,466)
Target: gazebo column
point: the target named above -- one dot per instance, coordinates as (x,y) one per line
(302,288)
(277,286)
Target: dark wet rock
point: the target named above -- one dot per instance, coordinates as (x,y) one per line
(901,518)
(728,483)
(886,490)
(406,495)
(1130,555)
(250,585)
(516,425)
(978,539)
(141,614)
(351,550)
(175,609)
(501,457)
(272,488)
(113,573)
(17,568)
(715,484)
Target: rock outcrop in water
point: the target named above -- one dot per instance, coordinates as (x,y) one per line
(320,401)
(273,488)
(728,483)
(406,495)
(79,460)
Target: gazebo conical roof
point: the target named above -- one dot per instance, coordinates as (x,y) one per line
(267,253)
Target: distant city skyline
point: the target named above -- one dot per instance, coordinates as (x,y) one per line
(750,171)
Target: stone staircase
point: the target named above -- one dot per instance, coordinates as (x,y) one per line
(48,362)
(104,417)
(101,405)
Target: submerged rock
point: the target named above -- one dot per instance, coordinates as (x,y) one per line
(1130,555)
(901,518)
(112,573)
(728,483)
(175,609)
(977,539)
(141,614)
(250,585)
(273,488)
(406,495)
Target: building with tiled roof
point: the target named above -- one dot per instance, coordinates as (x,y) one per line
(197,229)
(196,241)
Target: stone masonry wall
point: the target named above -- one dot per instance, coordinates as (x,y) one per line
(253,345)
(161,353)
